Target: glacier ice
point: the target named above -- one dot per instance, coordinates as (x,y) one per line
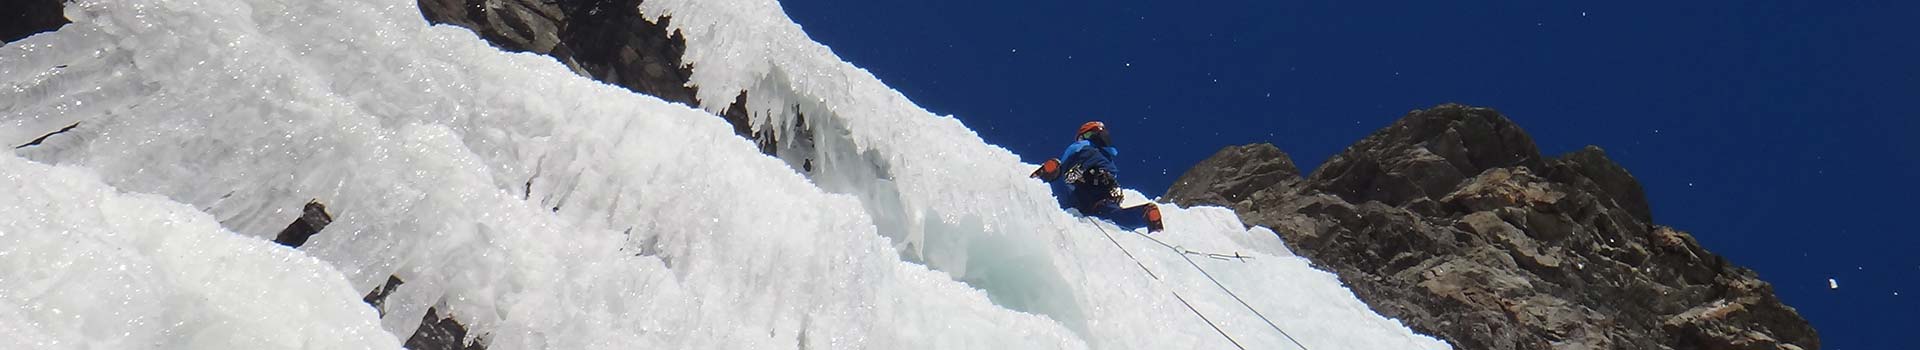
(964,207)
(87,267)
(545,210)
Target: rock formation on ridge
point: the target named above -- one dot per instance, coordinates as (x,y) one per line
(1451,220)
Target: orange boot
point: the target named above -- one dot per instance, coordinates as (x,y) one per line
(1153,218)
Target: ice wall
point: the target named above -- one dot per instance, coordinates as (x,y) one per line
(964,207)
(85,267)
(545,210)
(542,209)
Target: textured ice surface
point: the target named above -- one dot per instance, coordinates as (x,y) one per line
(86,267)
(545,210)
(964,207)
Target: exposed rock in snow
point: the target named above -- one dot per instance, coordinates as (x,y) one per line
(84,266)
(313,218)
(604,39)
(607,40)
(443,332)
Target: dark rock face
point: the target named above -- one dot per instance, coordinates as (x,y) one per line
(28,17)
(1424,155)
(313,218)
(1452,221)
(441,333)
(438,331)
(607,40)
(1235,175)
(378,297)
(1590,169)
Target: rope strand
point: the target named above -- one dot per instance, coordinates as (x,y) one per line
(1223,288)
(1176,295)
(1203,272)
(1123,250)
(1196,312)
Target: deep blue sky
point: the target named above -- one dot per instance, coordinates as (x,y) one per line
(1782,135)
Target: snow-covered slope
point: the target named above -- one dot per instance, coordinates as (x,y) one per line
(545,210)
(86,267)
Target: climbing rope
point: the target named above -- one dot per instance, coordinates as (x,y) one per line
(1216,282)
(1223,288)
(1123,250)
(1176,295)
(1215,256)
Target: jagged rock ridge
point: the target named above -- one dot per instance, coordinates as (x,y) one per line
(1451,220)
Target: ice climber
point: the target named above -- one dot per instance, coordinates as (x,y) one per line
(1083,179)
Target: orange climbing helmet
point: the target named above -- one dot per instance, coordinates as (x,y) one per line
(1095,132)
(1090,127)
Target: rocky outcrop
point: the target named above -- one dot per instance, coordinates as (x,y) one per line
(1451,220)
(378,297)
(439,332)
(607,40)
(24,18)
(1237,175)
(1424,155)
(313,218)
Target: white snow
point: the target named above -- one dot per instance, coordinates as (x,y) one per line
(545,210)
(85,267)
